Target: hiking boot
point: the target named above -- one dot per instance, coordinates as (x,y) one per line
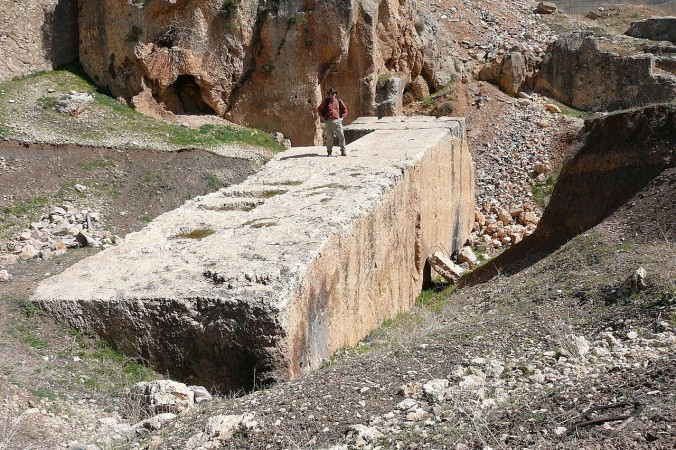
(329,152)
(343,152)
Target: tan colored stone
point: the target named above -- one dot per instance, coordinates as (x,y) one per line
(479,218)
(528,218)
(552,108)
(337,246)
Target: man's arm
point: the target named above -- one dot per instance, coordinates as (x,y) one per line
(344,109)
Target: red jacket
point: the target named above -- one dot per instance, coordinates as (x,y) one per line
(333,110)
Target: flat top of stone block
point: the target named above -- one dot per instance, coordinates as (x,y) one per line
(256,237)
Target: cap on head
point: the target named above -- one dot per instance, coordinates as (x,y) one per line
(332,91)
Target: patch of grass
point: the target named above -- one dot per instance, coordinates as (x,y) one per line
(145,218)
(432,99)
(434,298)
(214,183)
(98,164)
(106,121)
(41,392)
(572,112)
(30,206)
(114,370)
(47,102)
(199,233)
(542,192)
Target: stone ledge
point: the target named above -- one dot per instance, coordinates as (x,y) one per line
(308,255)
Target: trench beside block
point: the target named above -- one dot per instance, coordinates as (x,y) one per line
(264,280)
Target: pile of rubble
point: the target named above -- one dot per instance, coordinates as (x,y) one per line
(495,227)
(62,228)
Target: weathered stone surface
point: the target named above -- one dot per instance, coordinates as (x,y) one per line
(654,28)
(621,154)
(162,396)
(446,268)
(577,73)
(261,64)
(337,245)
(511,72)
(36,35)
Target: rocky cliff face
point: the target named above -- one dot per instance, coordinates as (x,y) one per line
(261,63)
(576,72)
(620,154)
(37,35)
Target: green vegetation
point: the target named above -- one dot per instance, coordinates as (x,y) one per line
(229,8)
(267,68)
(429,101)
(214,183)
(572,112)
(435,297)
(134,33)
(145,218)
(199,233)
(98,164)
(30,207)
(542,192)
(107,121)
(113,371)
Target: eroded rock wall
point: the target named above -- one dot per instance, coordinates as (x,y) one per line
(263,280)
(576,72)
(260,63)
(619,155)
(36,35)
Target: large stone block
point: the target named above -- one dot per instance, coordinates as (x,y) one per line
(266,279)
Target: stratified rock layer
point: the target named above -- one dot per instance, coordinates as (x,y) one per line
(265,279)
(265,64)
(576,72)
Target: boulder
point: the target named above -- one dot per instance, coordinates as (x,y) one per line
(545,8)
(304,257)
(511,71)
(446,268)
(389,97)
(73,105)
(654,28)
(162,396)
(466,255)
(5,276)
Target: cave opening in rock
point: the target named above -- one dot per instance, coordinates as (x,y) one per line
(185,97)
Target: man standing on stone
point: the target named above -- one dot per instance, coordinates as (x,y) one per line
(332,110)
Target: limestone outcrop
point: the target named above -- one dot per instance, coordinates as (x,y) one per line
(264,64)
(511,71)
(576,72)
(654,28)
(36,35)
(264,280)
